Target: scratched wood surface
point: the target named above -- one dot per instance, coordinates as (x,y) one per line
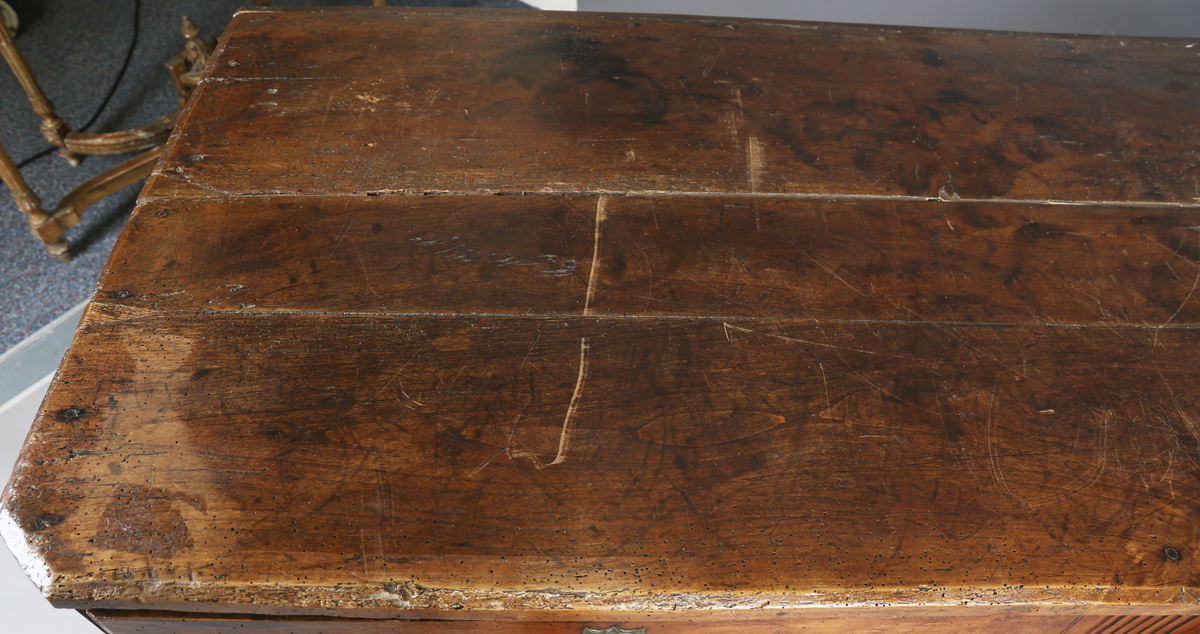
(416,100)
(712,256)
(788,378)
(483,457)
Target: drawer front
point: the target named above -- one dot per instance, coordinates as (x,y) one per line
(135,622)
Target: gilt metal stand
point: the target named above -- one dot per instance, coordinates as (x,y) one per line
(49,226)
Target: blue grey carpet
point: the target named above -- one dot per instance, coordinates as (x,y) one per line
(76,50)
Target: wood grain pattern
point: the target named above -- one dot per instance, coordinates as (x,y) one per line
(1136,625)
(710,256)
(775,327)
(417,100)
(478,459)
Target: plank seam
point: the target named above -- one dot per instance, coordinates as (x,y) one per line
(600,317)
(409,193)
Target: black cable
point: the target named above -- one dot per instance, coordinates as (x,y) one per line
(35,157)
(137,12)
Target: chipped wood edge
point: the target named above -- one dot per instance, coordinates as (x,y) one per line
(413,601)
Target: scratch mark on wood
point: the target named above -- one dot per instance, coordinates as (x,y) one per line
(742,261)
(754,157)
(366,276)
(989,439)
(734,119)
(488,460)
(708,428)
(595,271)
(729,327)
(455,249)
(389,382)
(1168,249)
(1186,298)
(531,347)
(1080,484)
(837,277)
(825,383)
(564,439)
(1186,420)
(340,236)
(689,94)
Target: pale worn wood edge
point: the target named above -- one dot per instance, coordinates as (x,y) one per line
(161,186)
(119,310)
(472,605)
(100,313)
(28,557)
(20,544)
(168,183)
(766,618)
(23,546)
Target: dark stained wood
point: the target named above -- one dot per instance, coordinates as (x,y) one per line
(696,256)
(420,100)
(731,352)
(490,254)
(482,458)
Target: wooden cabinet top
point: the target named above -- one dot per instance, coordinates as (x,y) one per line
(472,315)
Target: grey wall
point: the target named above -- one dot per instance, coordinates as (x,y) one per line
(1176,18)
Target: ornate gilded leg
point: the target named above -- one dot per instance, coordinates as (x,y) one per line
(8,17)
(54,128)
(187,67)
(43,225)
(58,132)
(66,214)
(49,226)
(124,141)
(186,70)
(195,49)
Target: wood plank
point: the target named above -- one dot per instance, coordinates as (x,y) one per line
(781,333)
(418,100)
(900,260)
(693,256)
(492,254)
(423,463)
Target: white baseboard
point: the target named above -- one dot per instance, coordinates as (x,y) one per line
(39,387)
(28,363)
(554,5)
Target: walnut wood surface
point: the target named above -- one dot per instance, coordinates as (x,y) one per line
(695,256)
(621,459)
(412,100)
(793,385)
